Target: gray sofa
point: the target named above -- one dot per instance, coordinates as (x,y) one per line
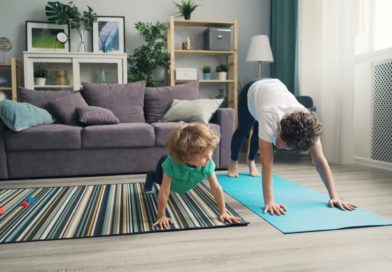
(63,150)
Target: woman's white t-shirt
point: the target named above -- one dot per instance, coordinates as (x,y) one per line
(268,101)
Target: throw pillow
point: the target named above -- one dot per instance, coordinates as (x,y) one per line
(93,115)
(40,98)
(157,100)
(200,110)
(124,100)
(19,116)
(65,107)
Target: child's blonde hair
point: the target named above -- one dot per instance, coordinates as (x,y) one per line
(191,142)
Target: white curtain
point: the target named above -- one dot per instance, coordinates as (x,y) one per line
(326,40)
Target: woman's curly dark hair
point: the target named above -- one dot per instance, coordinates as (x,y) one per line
(300,129)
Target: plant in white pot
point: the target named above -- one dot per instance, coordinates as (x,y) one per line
(40,75)
(222,69)
(206,72)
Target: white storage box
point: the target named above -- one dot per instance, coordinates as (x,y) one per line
(186,74)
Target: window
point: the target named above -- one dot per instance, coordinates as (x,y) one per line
(374,26)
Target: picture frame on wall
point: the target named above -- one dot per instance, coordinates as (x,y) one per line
(45,37)
(109,34)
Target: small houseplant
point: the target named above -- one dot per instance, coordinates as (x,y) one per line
(206,72)
(60,13)
(222,69)
(185,8)
(151,55)
(40,75)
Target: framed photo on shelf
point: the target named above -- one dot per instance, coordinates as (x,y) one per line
(109,34)
(44,37)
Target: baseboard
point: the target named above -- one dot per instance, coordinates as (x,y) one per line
(373,163)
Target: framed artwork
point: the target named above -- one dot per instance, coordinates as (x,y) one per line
(46,37)
(109,34)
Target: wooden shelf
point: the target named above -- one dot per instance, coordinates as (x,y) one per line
(198,23)
(229,57)
(203,52)
(14,71)
(212,81)
(5,88)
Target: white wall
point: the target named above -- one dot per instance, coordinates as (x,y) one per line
(253,18)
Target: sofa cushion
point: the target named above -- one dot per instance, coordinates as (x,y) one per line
(19,116)
(198,110)
(93,115)
(157,100)
(44,137)
(65,108)
(119,135)
(40,98)
(163,130)
(124,100)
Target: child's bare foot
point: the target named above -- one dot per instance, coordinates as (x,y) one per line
(253,171)
(233,169)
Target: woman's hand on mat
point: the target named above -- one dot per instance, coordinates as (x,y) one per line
(340,204)
(163,222)
(275,209)
(229,218)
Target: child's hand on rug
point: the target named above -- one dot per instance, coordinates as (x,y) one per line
(273,208)
(163,222)
(229,218)
(340,204)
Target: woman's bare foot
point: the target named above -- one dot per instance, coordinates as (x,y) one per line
(233,169)
(253,171)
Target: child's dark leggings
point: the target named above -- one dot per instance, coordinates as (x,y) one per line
(157,174)
(245,123)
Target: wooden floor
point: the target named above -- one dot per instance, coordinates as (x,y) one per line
(258,247)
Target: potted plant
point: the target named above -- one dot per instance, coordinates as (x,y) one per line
(222,69)
(60,13)
(149,57)
(206,72)
(40,75)
(185,8)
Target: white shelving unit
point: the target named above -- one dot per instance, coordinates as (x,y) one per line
(77,67)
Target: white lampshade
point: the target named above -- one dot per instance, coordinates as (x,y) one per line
(260,49)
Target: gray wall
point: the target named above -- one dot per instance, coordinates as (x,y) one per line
(253,18)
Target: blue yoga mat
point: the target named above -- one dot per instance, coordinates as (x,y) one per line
(307,209)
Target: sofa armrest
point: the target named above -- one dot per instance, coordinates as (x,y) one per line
(224,117)
(3,154)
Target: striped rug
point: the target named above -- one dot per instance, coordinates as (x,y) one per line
(101,210)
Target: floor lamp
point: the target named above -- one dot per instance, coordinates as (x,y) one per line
(260,50)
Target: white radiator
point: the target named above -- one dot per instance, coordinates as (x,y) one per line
(381,149)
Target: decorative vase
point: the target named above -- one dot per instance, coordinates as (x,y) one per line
(101,76)
(82,44)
